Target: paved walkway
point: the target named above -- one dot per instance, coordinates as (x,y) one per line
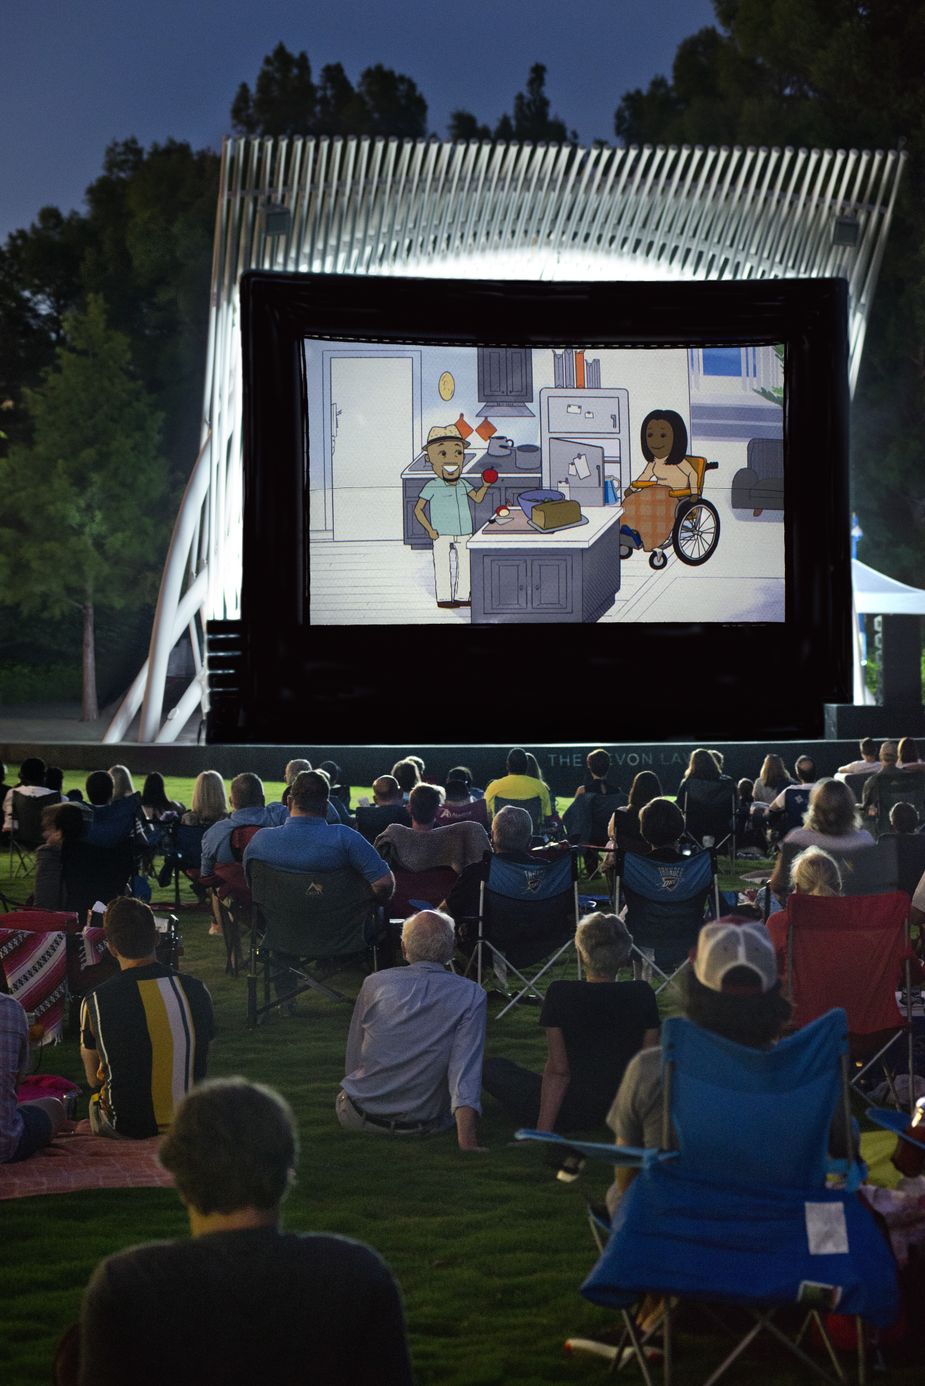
(57,723)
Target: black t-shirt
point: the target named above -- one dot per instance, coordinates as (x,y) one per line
(603,1024)
(235,1308)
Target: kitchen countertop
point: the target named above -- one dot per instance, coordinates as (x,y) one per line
(518,534)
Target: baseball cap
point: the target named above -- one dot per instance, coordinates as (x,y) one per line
(721,946)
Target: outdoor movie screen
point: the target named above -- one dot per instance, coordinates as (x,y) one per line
(487,485)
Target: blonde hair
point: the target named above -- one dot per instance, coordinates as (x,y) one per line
(122,784)
(815,872)
(209,799)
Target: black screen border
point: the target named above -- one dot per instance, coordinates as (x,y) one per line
(550,682)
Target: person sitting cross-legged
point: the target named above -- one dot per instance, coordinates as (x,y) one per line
(593,1029)
(414,1050)
(241,1300)
(144,1034)
(25,1127)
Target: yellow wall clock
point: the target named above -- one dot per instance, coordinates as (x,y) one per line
(446,386)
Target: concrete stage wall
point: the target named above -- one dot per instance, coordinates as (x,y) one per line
(562,763)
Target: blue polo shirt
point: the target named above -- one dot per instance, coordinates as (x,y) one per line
(311,844)
(449,505)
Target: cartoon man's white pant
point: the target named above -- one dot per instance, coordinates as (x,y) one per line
(444,545)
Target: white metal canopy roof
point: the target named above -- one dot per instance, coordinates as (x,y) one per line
(362,206)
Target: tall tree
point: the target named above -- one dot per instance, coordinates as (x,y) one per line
(85,513)
(286,101)
(283,100)
(531,121)
(836,73)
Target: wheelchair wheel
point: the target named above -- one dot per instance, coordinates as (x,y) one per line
(696,533)
(626,551)
(658,558)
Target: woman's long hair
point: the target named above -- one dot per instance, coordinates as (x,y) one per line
(833,809)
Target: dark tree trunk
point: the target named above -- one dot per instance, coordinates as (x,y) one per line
(90,708)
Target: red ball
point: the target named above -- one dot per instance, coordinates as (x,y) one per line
(490,475)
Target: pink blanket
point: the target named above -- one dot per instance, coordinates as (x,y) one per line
(83,1161)
(35,968)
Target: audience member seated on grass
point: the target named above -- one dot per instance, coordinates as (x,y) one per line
(24,1126)
(703,768)
(110,822)
(408,773)
(144,1034)
(154,799)
(519,784)
(623,829)
(308,842)
(248,810)
(209,802)
(424,846)
(4,787)
(907,755)
(61,823)
(888,776)
(511,832)
(122,782)
(340,792)
(772,780)
(388,807)
(832,822)
(460,803)
(786,810)
(812,872)
(661,827)
(32,785)
(732,990)
(241,1301)
(904,819)
(593,1029)
(54,779)
(869,762)
(595,780)
(414,1051)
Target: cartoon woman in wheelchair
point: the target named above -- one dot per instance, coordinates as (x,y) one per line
(663,507)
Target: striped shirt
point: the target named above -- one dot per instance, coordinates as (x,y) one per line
(152,1028)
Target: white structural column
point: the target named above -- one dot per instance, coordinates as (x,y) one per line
(361,206)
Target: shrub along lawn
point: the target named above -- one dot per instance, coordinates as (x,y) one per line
(489,1249)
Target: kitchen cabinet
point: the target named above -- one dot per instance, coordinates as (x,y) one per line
(505,379)
(522,575)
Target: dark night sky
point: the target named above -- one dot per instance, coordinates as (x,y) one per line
(79,73)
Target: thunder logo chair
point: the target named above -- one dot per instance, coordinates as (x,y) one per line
(528,914)
(665,904)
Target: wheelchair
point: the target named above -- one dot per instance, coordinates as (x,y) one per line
(694,533)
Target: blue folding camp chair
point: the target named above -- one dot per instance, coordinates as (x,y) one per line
(528,913)
(665,903)
(744,1215)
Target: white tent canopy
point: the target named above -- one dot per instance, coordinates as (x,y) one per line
(875,594)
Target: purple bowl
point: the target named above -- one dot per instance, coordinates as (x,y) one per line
(528,499)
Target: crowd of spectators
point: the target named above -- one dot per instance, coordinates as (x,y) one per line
(414,1062)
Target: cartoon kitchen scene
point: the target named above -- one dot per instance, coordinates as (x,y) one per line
(504,484)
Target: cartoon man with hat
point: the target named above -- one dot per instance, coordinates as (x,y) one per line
(443,510)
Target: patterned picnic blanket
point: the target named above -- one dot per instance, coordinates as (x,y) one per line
(651,512)
(35,969)
(84,1161)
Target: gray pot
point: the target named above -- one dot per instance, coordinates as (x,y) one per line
(527,458)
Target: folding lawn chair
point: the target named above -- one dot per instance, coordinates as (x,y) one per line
(230,898)
(665,904)
(744,1217)
(710,811)
(27,836)
(851,952)
(302,917)
(528,914)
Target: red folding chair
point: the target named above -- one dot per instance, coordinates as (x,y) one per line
(231,898)
(851,952)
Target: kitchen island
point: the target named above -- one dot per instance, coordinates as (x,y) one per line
(524,575)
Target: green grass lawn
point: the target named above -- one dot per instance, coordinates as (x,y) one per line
(489,1249)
